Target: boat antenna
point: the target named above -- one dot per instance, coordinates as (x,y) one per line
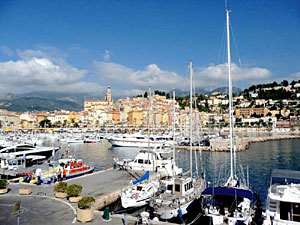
(191,118)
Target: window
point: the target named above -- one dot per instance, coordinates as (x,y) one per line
(147,162)
(170,187)
(177,187)
(140,161)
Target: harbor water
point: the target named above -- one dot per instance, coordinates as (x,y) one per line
(258,161)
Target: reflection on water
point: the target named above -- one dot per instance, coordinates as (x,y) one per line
(261,158)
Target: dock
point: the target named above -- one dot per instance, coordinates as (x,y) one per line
(242,144)
(105,186)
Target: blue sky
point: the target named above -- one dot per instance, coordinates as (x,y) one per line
(82,46)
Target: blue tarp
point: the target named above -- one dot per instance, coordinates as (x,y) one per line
(229,191)
(145,177)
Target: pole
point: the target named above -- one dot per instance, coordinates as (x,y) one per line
(230,95)
(149,106)
(18,215)
(173,130)
(191,118)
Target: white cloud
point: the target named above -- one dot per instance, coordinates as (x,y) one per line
(165,80)
(219,73)
(295,76)
(42,74)
(7,51)
(139,79)
(107,55)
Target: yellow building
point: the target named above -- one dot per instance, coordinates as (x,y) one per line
(74,117)
(135,118)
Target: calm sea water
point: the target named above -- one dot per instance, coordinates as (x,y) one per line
(260,159)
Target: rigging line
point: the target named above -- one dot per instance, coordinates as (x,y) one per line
(235,45)
(222,45)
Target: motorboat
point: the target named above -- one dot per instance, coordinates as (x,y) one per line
(67,168)
(283,200)
(25,150)
(158,160)
(137,140)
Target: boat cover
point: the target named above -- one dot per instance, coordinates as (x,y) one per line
(229,191)
(145,177)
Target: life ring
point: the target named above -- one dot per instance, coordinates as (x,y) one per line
(134,196)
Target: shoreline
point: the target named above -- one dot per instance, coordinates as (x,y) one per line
(243,143)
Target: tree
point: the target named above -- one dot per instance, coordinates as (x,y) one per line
(146,94)
(168,96)
(284,83)
(269,114)
(45,123)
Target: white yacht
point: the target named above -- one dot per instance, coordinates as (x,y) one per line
(137,140)
(140,193)
(21,150)
(158,160)
(283,201)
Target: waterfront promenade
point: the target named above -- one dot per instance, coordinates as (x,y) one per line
(41,207)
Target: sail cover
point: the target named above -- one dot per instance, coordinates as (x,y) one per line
(229,191)
(145,177)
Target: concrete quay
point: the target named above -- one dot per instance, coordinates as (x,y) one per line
(223,145)
(41,207)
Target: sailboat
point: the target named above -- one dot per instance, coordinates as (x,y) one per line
(233,202)
(140,193)
(179,192)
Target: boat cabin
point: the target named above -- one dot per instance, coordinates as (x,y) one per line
(183,186)
(283,202)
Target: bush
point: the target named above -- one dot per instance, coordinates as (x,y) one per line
(3,183)
(74,190)
(85,202)
(61,187)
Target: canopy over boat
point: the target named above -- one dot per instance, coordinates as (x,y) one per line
(229,191)
(145,177)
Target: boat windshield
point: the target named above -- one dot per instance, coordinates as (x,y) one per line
(283,177)
(165,155)
(284,181)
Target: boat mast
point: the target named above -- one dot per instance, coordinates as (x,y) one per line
(149,106)
(173,130)
(230,96)
(191,118)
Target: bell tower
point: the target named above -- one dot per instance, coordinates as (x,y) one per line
(108,94)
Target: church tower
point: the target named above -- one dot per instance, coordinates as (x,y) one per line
(108,94)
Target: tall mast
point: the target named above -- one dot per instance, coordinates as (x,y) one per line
(230,95)
(173,129)
(149,109)
(191,118)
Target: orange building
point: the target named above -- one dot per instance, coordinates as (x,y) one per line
(248,112)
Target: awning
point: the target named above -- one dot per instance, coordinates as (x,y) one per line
(229,191)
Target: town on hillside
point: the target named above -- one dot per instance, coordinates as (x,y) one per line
(273,105)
